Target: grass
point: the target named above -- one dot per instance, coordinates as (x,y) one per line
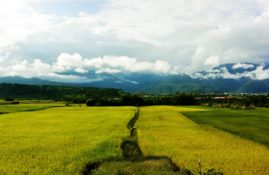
(9,108)
(147,167)
(164,131)
(250,124)
(61,140)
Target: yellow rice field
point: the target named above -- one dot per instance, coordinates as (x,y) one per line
(164,131)
(60,141)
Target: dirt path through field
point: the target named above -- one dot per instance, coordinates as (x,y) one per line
(133,156)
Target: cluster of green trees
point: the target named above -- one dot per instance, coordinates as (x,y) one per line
(257,100)
(235,102)
(58,93)
(144,100)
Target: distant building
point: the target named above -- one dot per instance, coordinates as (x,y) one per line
(223,98)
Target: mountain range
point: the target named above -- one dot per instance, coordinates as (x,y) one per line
(234,77)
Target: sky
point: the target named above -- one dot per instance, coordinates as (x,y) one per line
(47,37)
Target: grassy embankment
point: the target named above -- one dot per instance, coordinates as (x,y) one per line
(60,140)
(164,131)
(27,107)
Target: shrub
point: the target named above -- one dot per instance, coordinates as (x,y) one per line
(251,106)
(237,106)
(15,102)
(67,104)
(90,102)
(212,172)
(9,99)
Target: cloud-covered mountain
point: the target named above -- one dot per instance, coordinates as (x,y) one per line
(75,68)
(239,77)
(236,71)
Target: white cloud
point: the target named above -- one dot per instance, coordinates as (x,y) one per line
(74,62)
(243,66)
(69,61)
(80,70)
(129,64)
(108,70)
(37,68)
(75,68)
(260,73)
(189,34)
(111,64)
(18,20)
(212,61)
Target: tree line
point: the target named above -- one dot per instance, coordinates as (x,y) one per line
(236,102)
(71,94)
(143,100)
(115,97)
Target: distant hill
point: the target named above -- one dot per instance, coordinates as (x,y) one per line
(219,85)
(29,81)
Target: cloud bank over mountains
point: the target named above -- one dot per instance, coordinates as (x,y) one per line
(75,63)
(167,37)
(75,68)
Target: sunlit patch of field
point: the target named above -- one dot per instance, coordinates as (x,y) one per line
(61,140)
(9,108)
(164,131)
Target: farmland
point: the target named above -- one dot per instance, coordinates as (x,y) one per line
(60,140)
(250,124)
(164,131)
(66,140)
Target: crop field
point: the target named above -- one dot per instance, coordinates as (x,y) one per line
(164,131)
(250,124)
(68,140)
(60,140)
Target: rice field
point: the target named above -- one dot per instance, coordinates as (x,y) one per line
(60,141)
(164,131)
